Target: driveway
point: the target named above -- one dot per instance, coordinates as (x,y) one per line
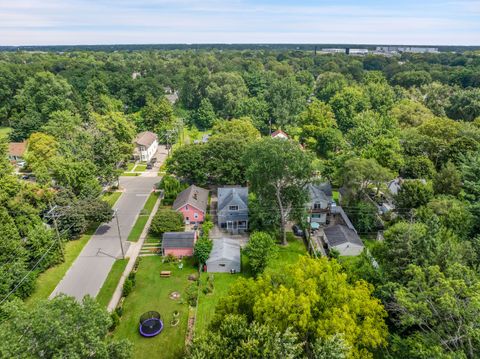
(89,271)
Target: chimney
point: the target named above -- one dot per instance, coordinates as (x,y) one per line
(195,195)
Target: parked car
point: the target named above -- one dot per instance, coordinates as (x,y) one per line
(153,160)
(149,166)
(297,230)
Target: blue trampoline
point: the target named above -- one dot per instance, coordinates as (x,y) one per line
(151,324)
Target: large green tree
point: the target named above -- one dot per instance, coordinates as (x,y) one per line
(278,172)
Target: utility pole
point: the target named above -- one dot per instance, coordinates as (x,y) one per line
(119,235)
(54,217)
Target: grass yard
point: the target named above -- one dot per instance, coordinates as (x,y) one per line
(287,254)
(208,302)
(152,293)
(130,166)
(142,219)
(4,131)
(48,280)
(111,197)
(140,168)
(111,282)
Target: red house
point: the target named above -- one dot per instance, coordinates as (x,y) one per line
(179,244)
(279,134)
(192,203)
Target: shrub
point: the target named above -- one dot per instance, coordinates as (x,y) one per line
(191,294)
(115,321)
(259,250)
(170,258)
(127,287)
(119,310)
(202,250)
(166,220)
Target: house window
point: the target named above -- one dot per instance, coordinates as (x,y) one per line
(187,218)
(317,206)
(222,264)
(186,207)
(195,215)
(233,208)
(242,224)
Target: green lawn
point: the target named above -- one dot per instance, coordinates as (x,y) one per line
(48,280)
(111,197)
(137,228)
(335,196)
(143,218)
(222,281)
(111,282)
(130,166)
(152,293)
(140,168)
(4,131)
(208,302)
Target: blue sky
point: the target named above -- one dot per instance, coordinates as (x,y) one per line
(44,22)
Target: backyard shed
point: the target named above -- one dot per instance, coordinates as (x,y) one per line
(179,244)
(225,256)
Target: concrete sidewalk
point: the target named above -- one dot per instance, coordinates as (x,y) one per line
(133,253)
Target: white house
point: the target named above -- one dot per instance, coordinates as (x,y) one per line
(225,256)
(146,145)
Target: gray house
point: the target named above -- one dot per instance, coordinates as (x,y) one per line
(319,200)
(232,211)
(225,256)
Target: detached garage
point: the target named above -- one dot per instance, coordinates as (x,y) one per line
(225,256)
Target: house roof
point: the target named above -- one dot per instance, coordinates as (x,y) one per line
(194,196)
(145,138)
(320,192)
(17,148)
(339,210)
(340,234)
(228,194)
(178,240)
(225,249)
(279,133)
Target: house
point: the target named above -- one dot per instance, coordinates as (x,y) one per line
(279,134)
(16,151)
(394,186)
(343,239)
(224,257)
(232,210)
(179,244)
(192,203)
(320,199)
(146,145)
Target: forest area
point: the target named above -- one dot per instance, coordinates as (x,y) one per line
(356,122)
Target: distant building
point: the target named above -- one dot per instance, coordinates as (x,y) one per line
(135,75)
(16,151)
(334,51)
(357,52)
(178,244)
(232,211)
(224,257)
(146,145)
(319,201)
(192,203)
(407,49)
(280,134)
(171,95)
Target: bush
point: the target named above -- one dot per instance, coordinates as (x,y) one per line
(170,259)
(202,250)
(136,264)
(115,321)
(119,310)
(166,220)
(259,250)
(191,294)
(127,287)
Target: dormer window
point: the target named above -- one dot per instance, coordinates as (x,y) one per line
(317,206)
(233,208)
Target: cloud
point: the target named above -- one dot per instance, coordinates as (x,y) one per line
(173,21)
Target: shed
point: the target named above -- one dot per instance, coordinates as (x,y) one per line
(225,256)
(345,240)
(179,244)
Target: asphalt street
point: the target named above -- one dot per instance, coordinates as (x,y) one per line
(89,271)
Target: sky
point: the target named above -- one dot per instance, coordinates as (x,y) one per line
(77,22)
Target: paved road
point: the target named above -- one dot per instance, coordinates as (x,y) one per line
(91,268)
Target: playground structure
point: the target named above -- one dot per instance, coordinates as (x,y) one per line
(151,324)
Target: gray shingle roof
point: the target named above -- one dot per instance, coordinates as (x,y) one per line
(225,248)
(340,234)
(178,240)
(227,194)
(194,196)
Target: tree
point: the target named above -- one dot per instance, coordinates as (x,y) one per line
(42,150)
(448,180)
(413,194)
(364,216)
(55,339)
(42,94)
(260,250)
(346,104)
(157,115)
(331,348)
(410,113)
(202,250)
(241,128)
(441,307)
(359,174)
(314,298)
(190,163)
(412,78)
(236,338)
(166,220)
(278,172)
(470,171)
(205,116)
(464,105)
(328,84)
(225,91)
(418,167)
(171,188)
